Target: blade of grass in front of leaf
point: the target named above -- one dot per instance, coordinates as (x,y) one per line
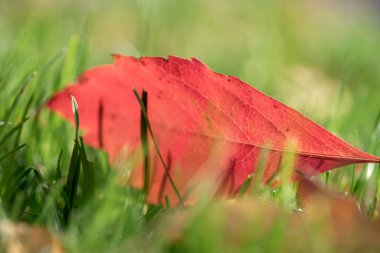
(244,187)
(100,124)
(144,142)
(287,164)
(260,170)
(167,202)
(74,168)
(74,105)
(157,149)
(285,191)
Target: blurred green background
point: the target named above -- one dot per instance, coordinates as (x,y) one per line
(320,57)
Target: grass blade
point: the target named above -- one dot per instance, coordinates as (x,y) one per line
(18,96)
(244,187)
(144,142)
(260,171)
(69,66)
(72,180)
(74,105)
(88,173)
(156,147)
(29,103)
(58,170)
(13,131)
(12,151)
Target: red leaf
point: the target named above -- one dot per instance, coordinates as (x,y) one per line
(205,123)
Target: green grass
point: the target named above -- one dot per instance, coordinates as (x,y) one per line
(48,176)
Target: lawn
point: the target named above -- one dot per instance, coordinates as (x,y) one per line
(318,57)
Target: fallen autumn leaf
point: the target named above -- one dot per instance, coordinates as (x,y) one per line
(195,113)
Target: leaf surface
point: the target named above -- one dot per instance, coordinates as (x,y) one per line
(206,124)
